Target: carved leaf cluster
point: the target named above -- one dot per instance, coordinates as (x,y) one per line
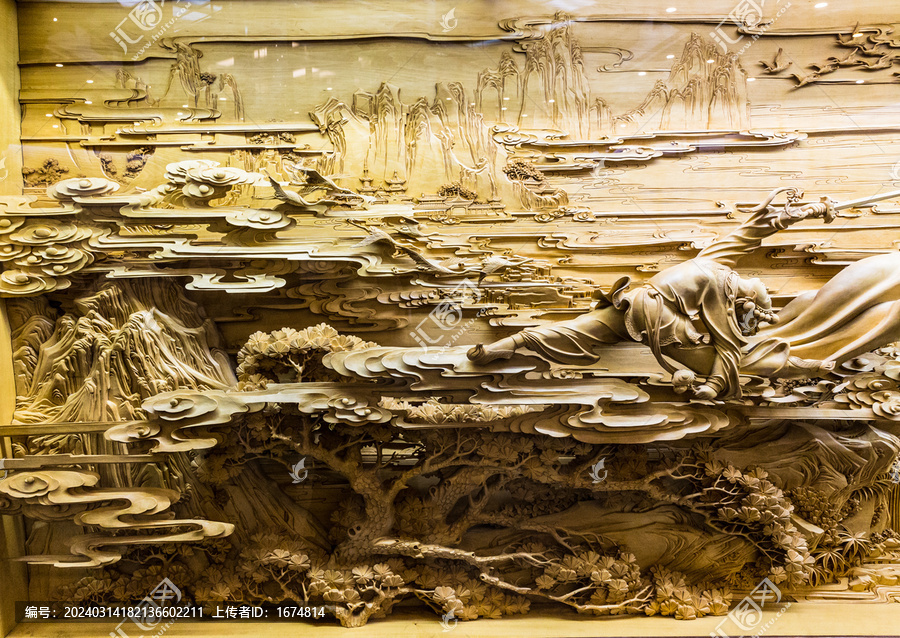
(290,355)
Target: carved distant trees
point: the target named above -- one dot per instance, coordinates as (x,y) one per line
(47,173)
(455,190)
(135,161)
(520,171)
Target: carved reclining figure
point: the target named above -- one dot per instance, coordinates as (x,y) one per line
(703,315)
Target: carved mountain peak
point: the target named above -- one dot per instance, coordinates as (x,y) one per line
(115,348)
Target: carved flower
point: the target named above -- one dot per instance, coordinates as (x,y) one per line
(12,251)
(668,607)
(345,343)
(176,172)
(887,404)
(175,408)
(545,582)
(719,602)
(732,474)
(749,514)
(28,485)
(496,450)
(219,592)
(257,343)
(333,577)
(49,231)
(56,259)
(871,381)
(382,571)
(322,332)
(253,382)
(363,574)
(728,513)
(685,612)
(278,348)
(299,562)
(208,182)
(69,189)
(16,282)
(279,557)
(262,219)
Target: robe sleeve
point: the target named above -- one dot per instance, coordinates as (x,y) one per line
(718,316)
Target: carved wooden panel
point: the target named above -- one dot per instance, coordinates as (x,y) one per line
(483,306)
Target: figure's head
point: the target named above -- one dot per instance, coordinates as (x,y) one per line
(754,290)
(752,305)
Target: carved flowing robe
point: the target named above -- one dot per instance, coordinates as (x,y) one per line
(856,311)
(661,314)
(687,313)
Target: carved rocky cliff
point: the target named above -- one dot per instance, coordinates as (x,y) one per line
(99,358)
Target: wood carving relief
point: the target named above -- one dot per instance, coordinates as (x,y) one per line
(540,309)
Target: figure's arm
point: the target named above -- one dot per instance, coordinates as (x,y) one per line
(765,221)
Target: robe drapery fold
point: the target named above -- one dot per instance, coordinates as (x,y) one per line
(687,312)
(855,312)
(660,313)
